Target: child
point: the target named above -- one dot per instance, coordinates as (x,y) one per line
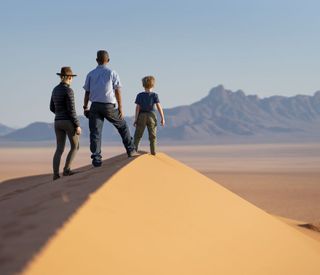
(145,114)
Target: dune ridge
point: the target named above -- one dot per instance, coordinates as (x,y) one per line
(158,216)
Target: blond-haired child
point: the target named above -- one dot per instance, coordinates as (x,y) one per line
(145,115)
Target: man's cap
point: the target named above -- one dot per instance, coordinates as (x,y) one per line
(66,71)
(102,54)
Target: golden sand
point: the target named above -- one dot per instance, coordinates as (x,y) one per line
(158,216)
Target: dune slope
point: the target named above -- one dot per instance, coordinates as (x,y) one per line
(158,216)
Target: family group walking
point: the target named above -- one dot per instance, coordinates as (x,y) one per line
(103,89)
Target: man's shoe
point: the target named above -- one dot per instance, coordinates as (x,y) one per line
(68,172)
(133,154)
(56,176)
(96,164)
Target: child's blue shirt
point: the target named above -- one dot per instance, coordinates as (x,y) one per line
(146,101)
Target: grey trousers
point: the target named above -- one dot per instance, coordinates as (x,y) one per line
(64,128)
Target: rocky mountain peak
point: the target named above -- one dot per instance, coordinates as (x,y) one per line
(317,94)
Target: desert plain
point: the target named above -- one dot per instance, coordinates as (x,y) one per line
(282,179)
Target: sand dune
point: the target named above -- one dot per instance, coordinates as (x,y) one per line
(158,216)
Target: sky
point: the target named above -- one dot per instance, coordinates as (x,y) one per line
(261,47)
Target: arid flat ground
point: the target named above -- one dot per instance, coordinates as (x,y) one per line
(21,162)
(283,179)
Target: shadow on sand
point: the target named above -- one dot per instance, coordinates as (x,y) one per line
(32,209)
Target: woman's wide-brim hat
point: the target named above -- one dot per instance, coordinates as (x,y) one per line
(66,71)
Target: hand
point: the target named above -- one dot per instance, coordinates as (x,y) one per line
(163,122)
(135,124)
(78,131)
(121,115)
(86,113)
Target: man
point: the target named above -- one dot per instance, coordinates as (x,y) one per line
(103,89)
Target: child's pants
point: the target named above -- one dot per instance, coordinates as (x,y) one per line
(148,119)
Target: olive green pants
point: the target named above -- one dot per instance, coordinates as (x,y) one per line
(148,119)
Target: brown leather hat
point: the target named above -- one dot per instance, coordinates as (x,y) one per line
(66,71)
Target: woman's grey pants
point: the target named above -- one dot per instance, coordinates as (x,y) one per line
(64,128)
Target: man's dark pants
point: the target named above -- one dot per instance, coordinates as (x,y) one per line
(99,112)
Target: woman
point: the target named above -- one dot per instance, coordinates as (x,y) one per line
(66,122)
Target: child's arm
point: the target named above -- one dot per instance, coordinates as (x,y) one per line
(136,115)
(161,113)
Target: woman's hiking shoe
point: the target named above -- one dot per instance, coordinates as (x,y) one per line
(56,176)
(68,172)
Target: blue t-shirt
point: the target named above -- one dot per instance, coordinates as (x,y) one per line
(146,101)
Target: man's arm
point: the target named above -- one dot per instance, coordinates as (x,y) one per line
(85,104)
(117,93)
(86,100)
(161,113)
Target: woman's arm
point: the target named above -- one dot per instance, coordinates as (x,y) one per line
(71,108)
(161,113)
(52,107)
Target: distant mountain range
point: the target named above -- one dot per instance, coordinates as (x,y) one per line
(222,116)
(4,130)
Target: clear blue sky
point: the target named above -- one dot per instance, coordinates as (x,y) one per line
(262,47)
